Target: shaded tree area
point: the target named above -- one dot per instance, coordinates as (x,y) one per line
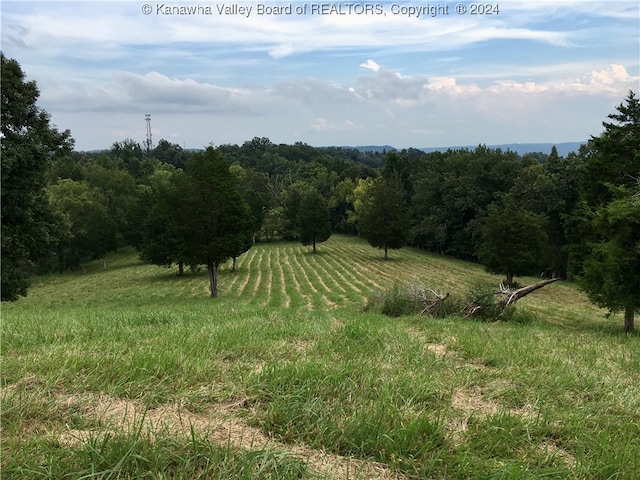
(453,192)
(513,241)
(285,170)
(381,213)
(551,189)
(95,192)
(314,222)
(159,241)
(606,246)
(213,222)
(31,229)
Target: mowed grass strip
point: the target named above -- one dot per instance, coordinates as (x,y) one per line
(287,352)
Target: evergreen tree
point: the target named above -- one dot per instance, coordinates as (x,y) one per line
(30,228)
(314,224)
(513,242)
(608,263)
(213,223)
(382,215)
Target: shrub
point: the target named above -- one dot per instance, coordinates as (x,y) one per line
(411,299)
(482,303)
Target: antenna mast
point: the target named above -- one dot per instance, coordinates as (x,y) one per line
(148,142)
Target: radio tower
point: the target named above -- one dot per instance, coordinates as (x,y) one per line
(148,142)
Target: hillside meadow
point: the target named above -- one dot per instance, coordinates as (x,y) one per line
(134,372)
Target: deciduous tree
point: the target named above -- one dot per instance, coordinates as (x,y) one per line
(92,230)
(382,216)
(514,241)
(29,142)
(314,224)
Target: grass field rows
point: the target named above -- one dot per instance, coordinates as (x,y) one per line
(135,373)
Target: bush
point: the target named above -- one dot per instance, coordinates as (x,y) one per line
(415,298)
(482,303)
(411,299)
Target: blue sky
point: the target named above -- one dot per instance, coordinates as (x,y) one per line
(536,71)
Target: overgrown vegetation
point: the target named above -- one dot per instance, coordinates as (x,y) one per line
(482,301)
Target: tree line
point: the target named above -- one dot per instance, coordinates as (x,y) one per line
(575,217)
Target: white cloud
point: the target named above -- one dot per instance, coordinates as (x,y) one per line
(132,92)
(371,65)
(323,125)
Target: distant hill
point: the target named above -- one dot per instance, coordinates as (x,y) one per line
(520,148)
(374,148)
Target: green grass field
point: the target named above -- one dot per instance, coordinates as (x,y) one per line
(134,372)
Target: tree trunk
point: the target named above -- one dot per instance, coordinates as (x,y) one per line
(104,263)
(233,264)
(386,252)
(314,245)
(212,268)
(509,279)
(180,269)
(628,319)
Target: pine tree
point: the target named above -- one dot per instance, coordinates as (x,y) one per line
(610,214)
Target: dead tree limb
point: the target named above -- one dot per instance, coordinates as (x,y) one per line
(490,308)
(435,305)
(512,297)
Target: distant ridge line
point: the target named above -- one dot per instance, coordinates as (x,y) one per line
(564,148)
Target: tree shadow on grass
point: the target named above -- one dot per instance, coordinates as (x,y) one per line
(610,327)
(382,260)
(171,275)
(318,253)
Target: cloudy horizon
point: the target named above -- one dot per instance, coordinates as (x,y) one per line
(382,74)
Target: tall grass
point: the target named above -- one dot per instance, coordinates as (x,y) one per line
(287,356)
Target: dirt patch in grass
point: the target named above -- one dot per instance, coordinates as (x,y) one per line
(550,448)
(473,401)
(439,349)
(220,423)
(479,403)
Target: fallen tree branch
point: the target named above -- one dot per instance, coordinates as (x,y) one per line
(513,297)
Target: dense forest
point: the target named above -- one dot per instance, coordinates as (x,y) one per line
(575,217)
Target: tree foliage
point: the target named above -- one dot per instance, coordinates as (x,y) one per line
(453,190)
(609,269)
(92,230)
(214,223)
(160,242)
(381,213)
(314,224)
(513,241)
(30,228)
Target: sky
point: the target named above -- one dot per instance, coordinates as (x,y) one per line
(404,73)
